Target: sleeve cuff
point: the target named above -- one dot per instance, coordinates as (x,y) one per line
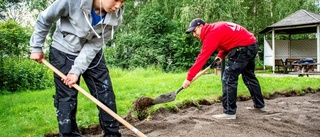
(75,70)
(38,49)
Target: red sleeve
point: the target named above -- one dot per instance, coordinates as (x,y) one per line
(208,47)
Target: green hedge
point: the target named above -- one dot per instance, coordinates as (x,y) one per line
(21,74)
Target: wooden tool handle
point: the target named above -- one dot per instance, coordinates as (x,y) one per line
(105,108)
(212,65)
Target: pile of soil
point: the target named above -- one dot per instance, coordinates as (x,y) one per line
(285,116)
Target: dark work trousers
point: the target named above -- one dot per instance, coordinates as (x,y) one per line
(240,61)
(65,100)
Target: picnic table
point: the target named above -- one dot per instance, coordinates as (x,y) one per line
(305,69)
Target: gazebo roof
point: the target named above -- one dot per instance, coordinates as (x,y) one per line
(302,21)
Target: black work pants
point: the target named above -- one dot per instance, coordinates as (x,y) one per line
(65,99)
(240,61)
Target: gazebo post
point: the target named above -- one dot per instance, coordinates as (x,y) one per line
(318,46)
(264,39)
(273,50)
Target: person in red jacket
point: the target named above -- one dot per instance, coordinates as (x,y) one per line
(236,42)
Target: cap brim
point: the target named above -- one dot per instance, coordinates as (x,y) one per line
(190,30)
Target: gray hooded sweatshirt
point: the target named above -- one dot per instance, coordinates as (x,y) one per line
(74,33)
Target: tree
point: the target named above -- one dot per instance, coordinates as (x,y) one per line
(153,30)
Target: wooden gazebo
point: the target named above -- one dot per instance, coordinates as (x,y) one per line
(300,22)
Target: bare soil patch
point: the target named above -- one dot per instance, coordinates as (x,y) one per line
(288,114)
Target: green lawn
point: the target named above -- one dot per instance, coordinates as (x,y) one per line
(31,113)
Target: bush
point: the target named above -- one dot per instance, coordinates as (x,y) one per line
(14,40)
(20,74)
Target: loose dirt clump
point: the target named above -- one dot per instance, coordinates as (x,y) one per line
(243,98)
(91,130)
(142,103)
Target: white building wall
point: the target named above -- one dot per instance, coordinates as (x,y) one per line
(282,49)
(304,49)
(267,60)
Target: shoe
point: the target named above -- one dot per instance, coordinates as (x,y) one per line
(224,116)
(259,109)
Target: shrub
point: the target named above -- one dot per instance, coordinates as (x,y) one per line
(19,74)
(14,40)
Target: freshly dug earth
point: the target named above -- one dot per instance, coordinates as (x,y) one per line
(142,103)
(293,116)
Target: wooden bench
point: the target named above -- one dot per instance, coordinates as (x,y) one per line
(280,64)
(289,62)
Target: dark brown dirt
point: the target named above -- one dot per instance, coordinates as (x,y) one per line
(294,116)
(292,113)
(142,103)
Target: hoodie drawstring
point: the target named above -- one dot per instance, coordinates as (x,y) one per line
(91,25)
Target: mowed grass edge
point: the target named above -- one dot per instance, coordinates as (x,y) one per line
(31,113)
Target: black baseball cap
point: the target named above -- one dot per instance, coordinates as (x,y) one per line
(194,23)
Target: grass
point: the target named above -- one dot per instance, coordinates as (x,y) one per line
(31,113)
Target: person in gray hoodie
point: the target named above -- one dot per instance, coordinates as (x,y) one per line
(82,27)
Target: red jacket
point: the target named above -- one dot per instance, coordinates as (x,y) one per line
(221,36)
